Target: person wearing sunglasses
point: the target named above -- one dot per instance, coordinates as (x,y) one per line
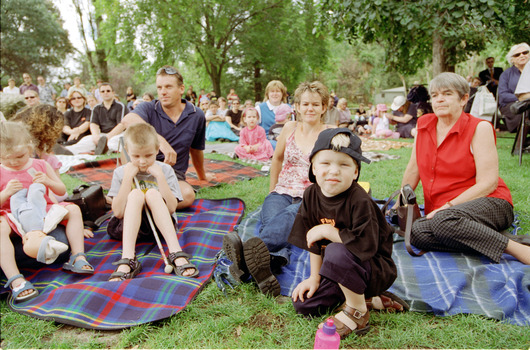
(181,127)
(518,56)
(31,97)
(27,84)
(76,119)
(105,125)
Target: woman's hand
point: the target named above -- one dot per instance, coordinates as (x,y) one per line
(309,285)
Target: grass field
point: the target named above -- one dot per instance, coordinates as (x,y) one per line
(247,319)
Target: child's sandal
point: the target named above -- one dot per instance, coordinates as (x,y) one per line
(133,264)
(362,322)
(179,270)
(77,266)
(26,285)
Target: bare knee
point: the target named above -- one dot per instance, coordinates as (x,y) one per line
(187,193)
(153,195)
(136,195)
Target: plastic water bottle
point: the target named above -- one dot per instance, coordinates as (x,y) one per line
(327,337)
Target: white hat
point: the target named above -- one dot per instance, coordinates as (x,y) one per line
(50,249)
(398,102)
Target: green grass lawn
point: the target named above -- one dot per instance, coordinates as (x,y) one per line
(247,319)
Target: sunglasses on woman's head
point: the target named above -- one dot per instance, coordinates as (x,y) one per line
(521,53)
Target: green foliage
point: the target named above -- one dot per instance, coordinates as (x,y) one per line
(218,37)
(408,29)
(32,37)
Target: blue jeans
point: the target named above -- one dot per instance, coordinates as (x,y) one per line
(28,206)
(277,218)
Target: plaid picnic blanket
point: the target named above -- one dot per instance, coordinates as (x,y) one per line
(443,283)
(93,302)
(100,172)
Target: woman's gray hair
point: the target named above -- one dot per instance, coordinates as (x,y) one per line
(449,81)
(509,57)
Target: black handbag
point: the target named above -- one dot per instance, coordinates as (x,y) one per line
(92,203)
(407,212)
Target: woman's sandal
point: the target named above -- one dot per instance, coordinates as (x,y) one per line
(391,303)
(133,264)
(77,266)
(362,321)
(26,285)
(179,270)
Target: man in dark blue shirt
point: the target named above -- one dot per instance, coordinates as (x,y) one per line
(181,128)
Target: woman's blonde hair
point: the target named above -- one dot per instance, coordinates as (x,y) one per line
(45,123)
(276,84)
(14,135)
(141,135)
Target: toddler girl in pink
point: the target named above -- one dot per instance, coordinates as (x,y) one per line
(381,124)
(253,143)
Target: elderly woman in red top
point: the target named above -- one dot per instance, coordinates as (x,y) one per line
(455,157)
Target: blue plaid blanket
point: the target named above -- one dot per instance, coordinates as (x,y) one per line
(92,302)
(443,283)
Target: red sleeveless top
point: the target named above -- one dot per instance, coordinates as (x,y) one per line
(449,169)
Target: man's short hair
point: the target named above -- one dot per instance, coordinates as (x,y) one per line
(141,135)
(171,71)
(490,58)
(106,84)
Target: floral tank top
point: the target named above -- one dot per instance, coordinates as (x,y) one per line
(293,178)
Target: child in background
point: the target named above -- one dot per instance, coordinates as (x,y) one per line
(45,124)
(19,171)
(381,124)
(283,115)
(222,106)
(253,143)
(159,191)
(216,126)
(233,117)
(349,240)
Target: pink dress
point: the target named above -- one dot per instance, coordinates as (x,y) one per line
(26,179)
(249,137)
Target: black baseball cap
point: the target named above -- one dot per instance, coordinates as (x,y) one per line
(324,143)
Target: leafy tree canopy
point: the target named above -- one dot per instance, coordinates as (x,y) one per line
(32,37)
(237,36)
(415,31)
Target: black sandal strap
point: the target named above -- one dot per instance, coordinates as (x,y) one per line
(175,255)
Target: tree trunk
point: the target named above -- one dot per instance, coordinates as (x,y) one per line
(440,56)
(258,88)
(215,77)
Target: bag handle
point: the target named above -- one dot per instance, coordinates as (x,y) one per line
(408,230)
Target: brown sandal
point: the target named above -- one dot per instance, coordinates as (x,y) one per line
(179,270)
(391,303)
(133,264)
(362,321)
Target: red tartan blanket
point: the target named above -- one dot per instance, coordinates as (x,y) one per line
(100,172)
